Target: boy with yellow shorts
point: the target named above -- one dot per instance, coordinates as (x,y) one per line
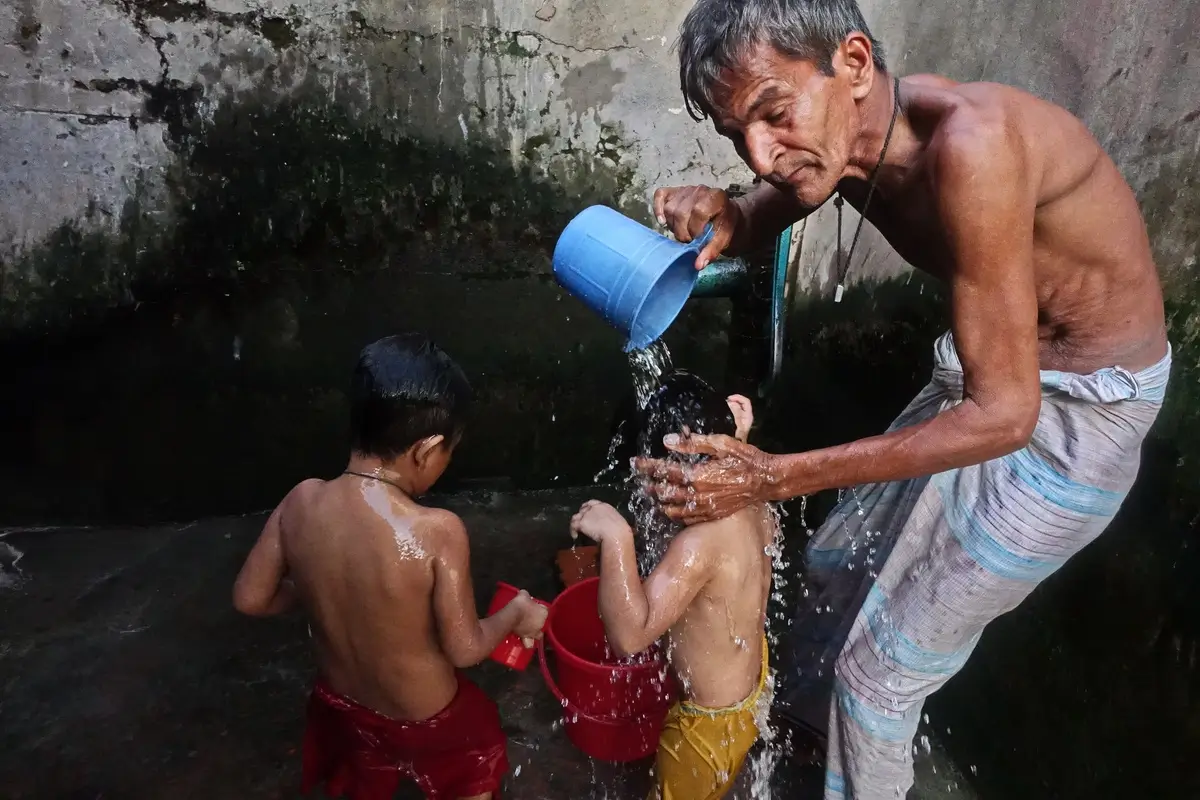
(708,594)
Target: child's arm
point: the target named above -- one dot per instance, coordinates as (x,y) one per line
(465,638)
(635,614)
(262,588)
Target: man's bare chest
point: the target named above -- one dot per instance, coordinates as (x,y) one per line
(911,223)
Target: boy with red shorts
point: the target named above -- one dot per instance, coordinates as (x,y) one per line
(386,584)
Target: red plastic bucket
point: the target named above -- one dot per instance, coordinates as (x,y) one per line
(612,711)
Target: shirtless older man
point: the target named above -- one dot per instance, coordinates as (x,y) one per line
(1022,447)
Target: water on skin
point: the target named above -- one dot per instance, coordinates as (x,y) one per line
(654,534)
(381,501)
(762,763)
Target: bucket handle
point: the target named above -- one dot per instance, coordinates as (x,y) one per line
(700,241)
(562,699)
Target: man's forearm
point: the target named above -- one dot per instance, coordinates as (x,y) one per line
(958,437)
(765,211)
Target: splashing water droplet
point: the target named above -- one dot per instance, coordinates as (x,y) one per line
(648,366)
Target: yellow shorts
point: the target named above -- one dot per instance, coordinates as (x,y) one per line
(702,749)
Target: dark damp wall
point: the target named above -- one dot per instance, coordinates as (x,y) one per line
(206,209)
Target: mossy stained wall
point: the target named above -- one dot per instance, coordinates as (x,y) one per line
(211,206)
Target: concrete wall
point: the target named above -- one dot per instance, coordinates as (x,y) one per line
(207,207)
(96,93)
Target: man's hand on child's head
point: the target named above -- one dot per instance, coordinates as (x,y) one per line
(533,617)
(734,475)
(599,521)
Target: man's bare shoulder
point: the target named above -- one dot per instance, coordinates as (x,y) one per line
(966,117)
(928,80)
(962,105)
(985,128)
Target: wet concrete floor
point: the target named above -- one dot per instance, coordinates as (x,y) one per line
(126,673)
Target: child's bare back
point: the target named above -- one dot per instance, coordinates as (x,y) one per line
(716,647)
(386,584)
(363,560)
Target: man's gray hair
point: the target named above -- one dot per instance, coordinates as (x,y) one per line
(718,34)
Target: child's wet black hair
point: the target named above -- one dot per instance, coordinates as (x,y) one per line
(681,401)
(405,389)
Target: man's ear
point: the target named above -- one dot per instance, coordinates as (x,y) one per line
(856,56)
(743,415)
(426,447)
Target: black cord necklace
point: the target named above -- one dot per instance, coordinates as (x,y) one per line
(843,268)
(370,477)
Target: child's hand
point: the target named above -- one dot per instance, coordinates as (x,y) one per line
(533,617)
(598,521)
(743,415)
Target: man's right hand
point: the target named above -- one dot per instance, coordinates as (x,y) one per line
(686,210)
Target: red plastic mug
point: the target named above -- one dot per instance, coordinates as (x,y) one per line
(511,652)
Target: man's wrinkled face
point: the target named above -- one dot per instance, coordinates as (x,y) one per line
(791,123)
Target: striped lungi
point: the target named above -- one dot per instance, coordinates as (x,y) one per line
(906,575)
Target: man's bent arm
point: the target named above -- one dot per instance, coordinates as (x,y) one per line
(986,197)
(765,211)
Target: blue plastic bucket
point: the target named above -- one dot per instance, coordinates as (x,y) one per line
(634,278)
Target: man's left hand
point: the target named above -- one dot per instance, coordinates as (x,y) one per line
(734,476)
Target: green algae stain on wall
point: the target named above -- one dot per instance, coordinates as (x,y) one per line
(263,189)
(1179,421)
(296,231)
(1171,204)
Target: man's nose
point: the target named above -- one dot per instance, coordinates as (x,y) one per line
(760,151)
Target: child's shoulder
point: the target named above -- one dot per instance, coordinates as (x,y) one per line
(751,517)
(442,531)
(438,520)
(302,495)
(750,524)
(698,540)
(304,490)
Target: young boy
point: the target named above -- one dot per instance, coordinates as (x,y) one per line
(708,594)
(386,584)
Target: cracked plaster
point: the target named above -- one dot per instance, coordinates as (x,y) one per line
(501,73)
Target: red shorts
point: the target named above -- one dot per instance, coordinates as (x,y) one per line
(357,752)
